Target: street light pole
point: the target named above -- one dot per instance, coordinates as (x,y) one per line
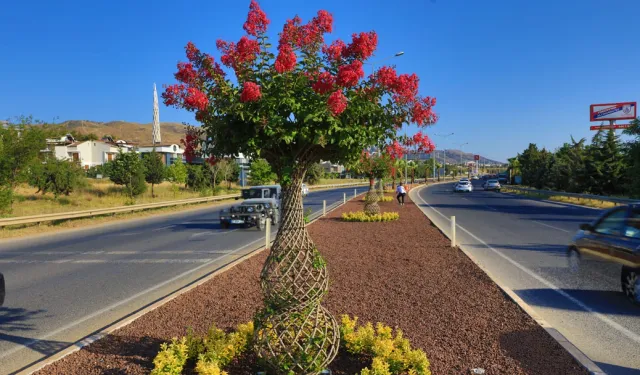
(444,155)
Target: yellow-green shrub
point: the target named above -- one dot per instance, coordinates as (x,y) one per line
(391,354)
(171,358)
(212,352)
(360,216)
(383,199)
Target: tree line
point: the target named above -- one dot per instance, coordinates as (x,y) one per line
(606,166)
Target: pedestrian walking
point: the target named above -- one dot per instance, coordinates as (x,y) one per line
(400,194)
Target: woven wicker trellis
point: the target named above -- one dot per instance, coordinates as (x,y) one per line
(371,206)
(294,329)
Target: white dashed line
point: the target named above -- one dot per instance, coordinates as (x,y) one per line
(550,226)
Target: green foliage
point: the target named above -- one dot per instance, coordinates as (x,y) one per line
(6,198)
(177,172)
(154,169)
(196,178)
(633,159)
(314,174)
(20,145)
(392,354)
(61,177)
(96,170)
(128,170)
(261,172)
(360,216)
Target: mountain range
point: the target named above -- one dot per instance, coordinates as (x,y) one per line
(170,132)
(454,157)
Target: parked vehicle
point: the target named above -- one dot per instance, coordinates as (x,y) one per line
(613,237)
(503,178)
(305,190)
(463,186)
(491,185)
(251,212)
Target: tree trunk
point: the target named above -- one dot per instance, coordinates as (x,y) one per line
(152,194)
(371,206)
(393,178)
(294,280)
(413,176)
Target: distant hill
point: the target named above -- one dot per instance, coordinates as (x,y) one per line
(453,156)
(170,132)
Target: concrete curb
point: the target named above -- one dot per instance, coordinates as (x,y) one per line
(131,318)
(576,353)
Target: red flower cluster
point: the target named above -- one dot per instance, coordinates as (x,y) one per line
(348,75)
(286,60)
(422,143)
(406,88)
(236,56)
(337,103)
(421,112)
(257,20)
(362,45)
(195,99)
(192,51)
(395,150)
(387,77)
(309,35)
(212,160)
(250,92)
(334,51)
(186,73)
(190,98)
(324,83)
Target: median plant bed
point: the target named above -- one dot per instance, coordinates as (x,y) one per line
(360,216)
(381,199)
(403,274)
(558,198)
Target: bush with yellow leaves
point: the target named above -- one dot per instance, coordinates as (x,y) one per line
(360,216)
(391,354)
(216,350)
(381,199)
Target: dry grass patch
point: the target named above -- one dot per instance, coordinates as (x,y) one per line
(558,198)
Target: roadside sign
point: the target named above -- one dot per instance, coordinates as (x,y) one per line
(476,157)
(613,111)
(607,127)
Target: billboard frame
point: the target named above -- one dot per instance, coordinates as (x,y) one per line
(630,117)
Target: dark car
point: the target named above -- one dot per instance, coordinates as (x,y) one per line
(2,291)
(251,212)
(613,237)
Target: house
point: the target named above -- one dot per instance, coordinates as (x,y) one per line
(88,153)
(169,152)
(331,168)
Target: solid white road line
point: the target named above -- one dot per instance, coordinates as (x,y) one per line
(103,261)
(118,304)
(626,332)
(163,228)
(551,226)
(115,252)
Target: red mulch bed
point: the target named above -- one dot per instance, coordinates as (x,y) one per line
(402,273)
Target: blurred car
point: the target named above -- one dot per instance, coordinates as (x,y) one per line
(2,290)
(475,177)
(305,190)
(613,237)
(491,185)
(463,186)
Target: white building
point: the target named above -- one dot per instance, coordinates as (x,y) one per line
(89,153)
(169,152)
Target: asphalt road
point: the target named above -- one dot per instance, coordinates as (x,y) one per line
(64,287)
(522,242)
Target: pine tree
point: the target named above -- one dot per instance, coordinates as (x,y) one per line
(154,169)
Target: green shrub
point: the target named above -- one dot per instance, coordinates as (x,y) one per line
(171,358)
(383,199)
(360,216)
(6,196)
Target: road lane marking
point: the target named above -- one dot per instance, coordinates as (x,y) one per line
(489,207)
(118,304)
(212,233)
(626,332)
(550,226)
(163,228)
(103,261)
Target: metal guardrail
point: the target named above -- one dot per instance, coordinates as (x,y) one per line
(602,198)
(137,207)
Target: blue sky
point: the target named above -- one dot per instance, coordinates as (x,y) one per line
(505,72)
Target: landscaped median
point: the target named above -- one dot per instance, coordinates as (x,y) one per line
(401,273)
(545,195)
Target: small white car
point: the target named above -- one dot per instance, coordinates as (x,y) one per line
(463,186)
(492,185)
(305,190)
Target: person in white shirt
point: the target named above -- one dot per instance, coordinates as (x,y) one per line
(400,194)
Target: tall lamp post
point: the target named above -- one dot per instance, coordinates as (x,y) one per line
(444,155)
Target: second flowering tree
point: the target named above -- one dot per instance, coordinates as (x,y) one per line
(294,104)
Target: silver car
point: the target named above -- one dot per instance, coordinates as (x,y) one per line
(491,185)
(463,186)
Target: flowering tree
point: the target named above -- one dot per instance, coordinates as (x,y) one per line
(373,167)
(309,102)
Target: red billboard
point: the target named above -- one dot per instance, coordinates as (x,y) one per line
(607,127)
